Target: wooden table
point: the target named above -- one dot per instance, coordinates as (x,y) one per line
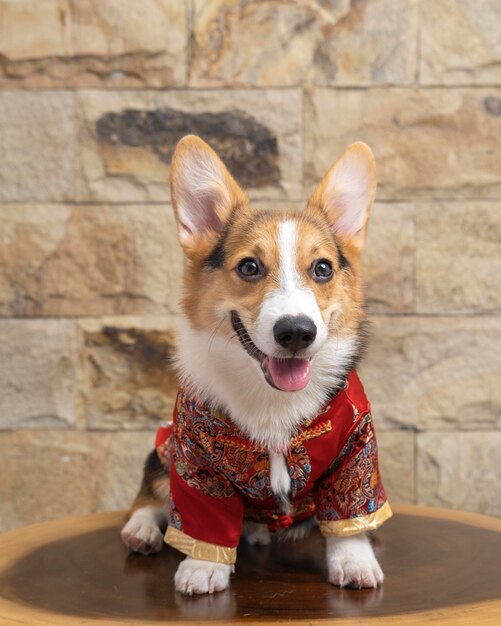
(441,567)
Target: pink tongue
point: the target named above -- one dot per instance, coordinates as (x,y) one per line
(289,374)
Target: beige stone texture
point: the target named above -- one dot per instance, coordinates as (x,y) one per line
(436,143)
(434,373)
(324,43)
(388,259)
(37,374)
(115,43)
(36,146)
(396,463)
(88,260)
(458,257)
(460,42)
(51,474)
(126,140)
(126,380)
(460,471)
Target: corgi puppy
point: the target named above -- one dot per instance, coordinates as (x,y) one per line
(272,430)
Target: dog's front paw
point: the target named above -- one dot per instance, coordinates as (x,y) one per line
(351,563)
(196,576)
(141,533)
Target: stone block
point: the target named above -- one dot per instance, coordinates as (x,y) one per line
(460,471)
(435,143)
(77,473)
(37,374)
(460,42)
(36,146)
(458,257)
(388,259)
(126,379)
(396,462)
(429,373)
(59,260)
(327,43)
(126,140)
(117,43)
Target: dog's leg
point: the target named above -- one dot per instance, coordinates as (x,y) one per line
(144,532)
(194,576)
(147,521)
(351,562)
(256,534)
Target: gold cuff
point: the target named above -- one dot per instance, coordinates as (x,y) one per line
(347,527)
(199,549)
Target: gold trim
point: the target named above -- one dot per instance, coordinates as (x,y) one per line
(347,527)
(311,433)
(199,549)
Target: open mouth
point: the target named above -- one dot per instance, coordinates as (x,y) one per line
(290,374)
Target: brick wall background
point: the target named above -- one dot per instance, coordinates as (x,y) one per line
(94,96)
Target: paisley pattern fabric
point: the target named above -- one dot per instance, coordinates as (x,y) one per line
(353,484)
(219,476)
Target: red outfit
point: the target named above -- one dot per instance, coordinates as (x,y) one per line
(219,476)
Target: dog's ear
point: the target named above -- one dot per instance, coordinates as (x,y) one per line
(203,192)
(346,194)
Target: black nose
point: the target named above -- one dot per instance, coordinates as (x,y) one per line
(295,333)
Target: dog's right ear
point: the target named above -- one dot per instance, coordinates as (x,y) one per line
(204,194)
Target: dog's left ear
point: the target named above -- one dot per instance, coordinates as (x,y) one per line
(203,193)
(346,194)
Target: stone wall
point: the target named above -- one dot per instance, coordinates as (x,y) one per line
(94,96)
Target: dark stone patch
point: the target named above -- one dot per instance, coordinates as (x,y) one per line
(147,354)
(248,148)
(151,348)
(493,105)
(133,365)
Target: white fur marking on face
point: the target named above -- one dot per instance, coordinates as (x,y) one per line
(351,561)
(291,298)
(287,243)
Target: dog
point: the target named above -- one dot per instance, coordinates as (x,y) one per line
(272,430)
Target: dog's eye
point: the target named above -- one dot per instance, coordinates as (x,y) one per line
(249,269)
(322,270)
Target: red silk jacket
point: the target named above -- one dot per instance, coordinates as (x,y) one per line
(218,476)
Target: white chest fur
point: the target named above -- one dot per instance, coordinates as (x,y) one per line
(279,477)
(223,374)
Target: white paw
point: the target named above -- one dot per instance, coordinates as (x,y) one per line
(195,576)
(256,534)
(142,533)
(351,562)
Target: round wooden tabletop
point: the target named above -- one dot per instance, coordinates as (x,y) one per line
(441,567)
